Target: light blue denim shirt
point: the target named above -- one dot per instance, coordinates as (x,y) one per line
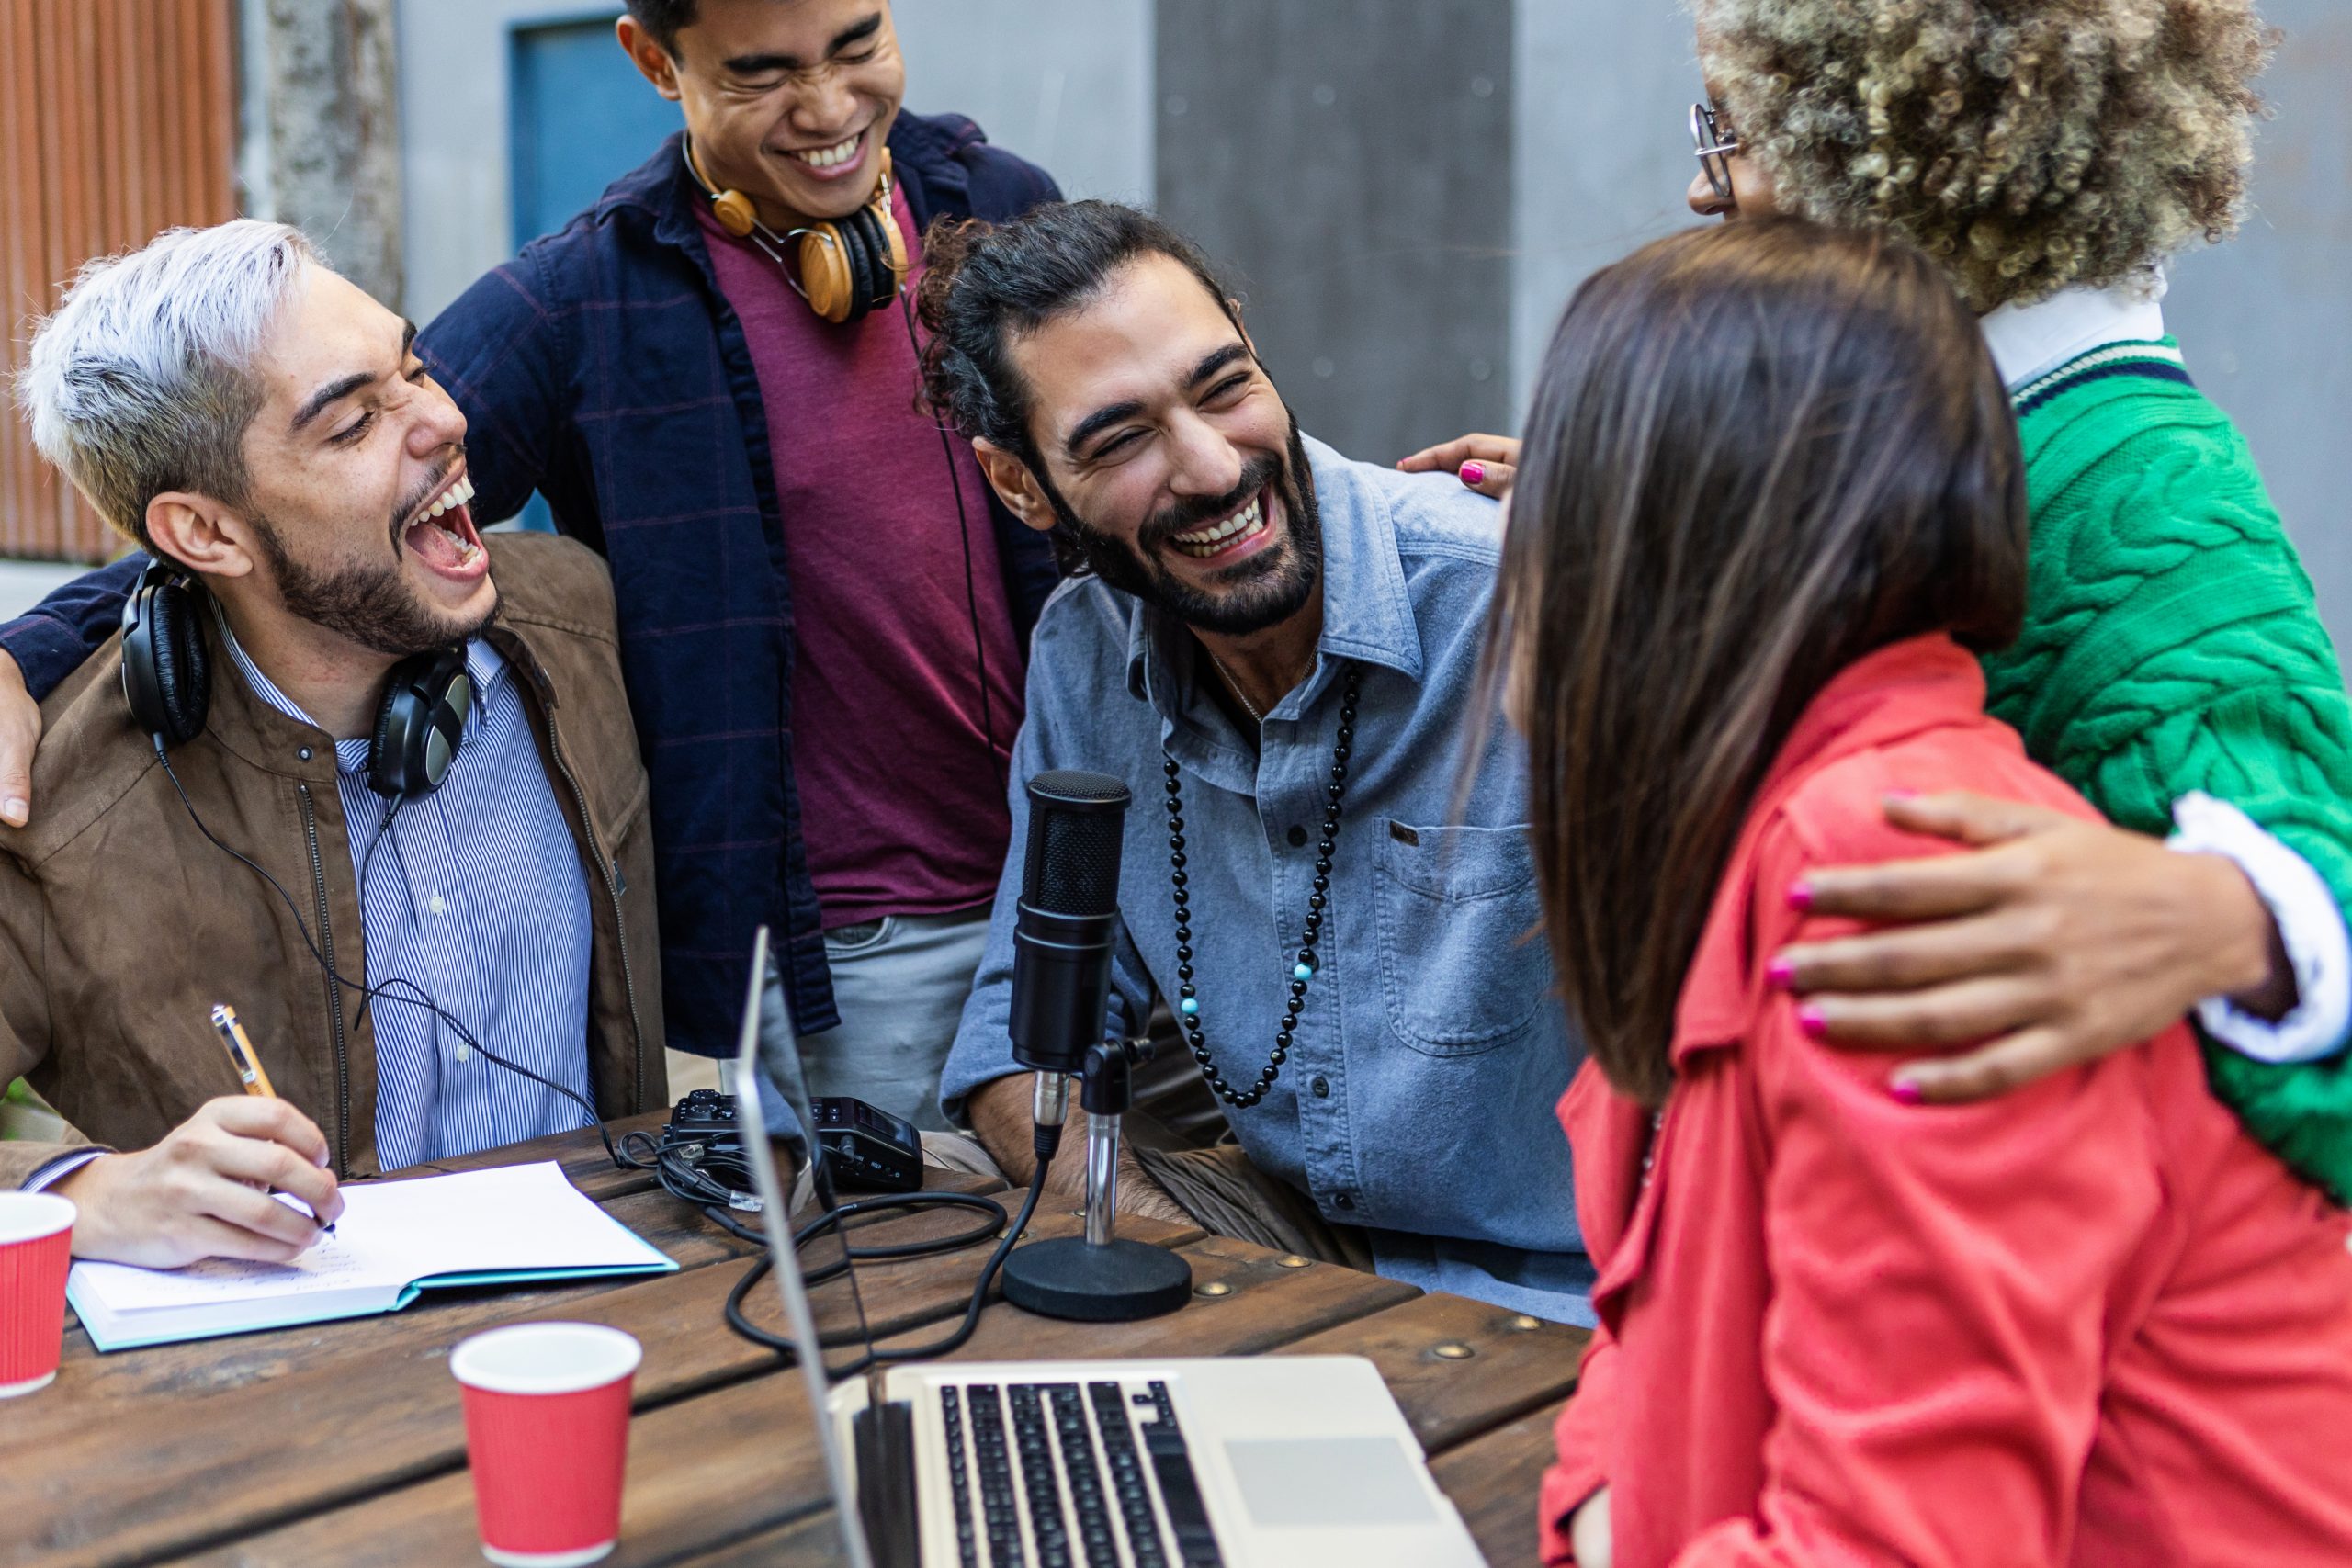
(1417,1098)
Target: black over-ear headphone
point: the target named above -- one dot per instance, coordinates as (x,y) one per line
(167,680)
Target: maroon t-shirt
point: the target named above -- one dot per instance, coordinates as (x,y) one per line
(900,807)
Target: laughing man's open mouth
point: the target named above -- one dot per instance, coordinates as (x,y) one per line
(442,534)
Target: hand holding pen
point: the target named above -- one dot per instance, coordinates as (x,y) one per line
(207,1189)
(241,1057)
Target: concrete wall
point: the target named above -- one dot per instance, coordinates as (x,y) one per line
(1064,81)
(2267,320)
(453,118)
(1419,239)
(1350,163)
(1600,107)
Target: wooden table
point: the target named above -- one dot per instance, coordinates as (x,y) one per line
(343,1442)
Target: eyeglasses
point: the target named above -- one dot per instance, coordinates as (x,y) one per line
(1716,151)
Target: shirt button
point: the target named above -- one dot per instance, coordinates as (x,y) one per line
(1297,837)
(304,753)
(1322,1086)
(437,907)
(1345,1201)
(465,1054)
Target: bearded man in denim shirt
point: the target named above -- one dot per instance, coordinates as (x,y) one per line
(1278,649)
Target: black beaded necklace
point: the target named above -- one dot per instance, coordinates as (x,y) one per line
(1188,1005)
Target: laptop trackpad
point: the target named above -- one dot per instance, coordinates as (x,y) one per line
(1329,1481)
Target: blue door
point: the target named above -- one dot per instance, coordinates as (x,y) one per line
(580,117)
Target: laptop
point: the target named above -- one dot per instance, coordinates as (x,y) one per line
(1227,1462)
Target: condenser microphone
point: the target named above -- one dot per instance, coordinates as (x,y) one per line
(1061,995)
(1069,918)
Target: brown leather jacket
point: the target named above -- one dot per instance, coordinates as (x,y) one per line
(120,926)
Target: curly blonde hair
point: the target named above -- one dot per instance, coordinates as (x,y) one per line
(2027,145)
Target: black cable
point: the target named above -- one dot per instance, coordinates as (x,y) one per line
(713,1173)
(964,527)
(691,1181)
(365,992)
(874,1355)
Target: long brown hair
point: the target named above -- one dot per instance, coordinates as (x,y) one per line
(1756,453)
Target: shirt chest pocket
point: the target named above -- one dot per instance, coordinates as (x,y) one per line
(1463,967)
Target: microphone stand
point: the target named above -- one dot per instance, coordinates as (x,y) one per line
(1099,1277)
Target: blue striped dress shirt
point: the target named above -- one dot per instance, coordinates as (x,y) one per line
(476,896)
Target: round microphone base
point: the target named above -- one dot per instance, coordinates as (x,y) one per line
(1117,1282)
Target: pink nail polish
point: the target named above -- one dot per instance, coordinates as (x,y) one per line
(1809,1018)
(1780,973)
(1903,794)
(1474,474)
(1906,1093)
(1801,897)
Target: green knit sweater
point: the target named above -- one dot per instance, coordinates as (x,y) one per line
(2172,645)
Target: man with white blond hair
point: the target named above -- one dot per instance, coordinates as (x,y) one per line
(350,769)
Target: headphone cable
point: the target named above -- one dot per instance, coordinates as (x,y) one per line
(389,988)
(672,1173)
(963,528)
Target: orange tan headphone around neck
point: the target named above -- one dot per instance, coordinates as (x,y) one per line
(848,269)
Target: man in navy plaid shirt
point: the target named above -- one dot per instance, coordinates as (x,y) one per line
(823,759)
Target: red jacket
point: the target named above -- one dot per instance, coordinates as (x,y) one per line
(2089,1322)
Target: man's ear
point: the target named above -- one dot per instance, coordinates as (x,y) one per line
(1015,485)
(652,61)
(200,534)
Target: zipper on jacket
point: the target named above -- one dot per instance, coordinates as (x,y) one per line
(335,990)
(612,891)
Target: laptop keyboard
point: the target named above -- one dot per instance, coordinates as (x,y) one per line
(1065,1476)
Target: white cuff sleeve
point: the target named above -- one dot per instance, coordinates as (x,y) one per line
(57,1169)
(2310,925)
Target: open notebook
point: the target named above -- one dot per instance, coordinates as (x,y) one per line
(483,1227)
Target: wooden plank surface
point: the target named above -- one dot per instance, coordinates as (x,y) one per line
(1263,1306)
(209,1366)
(706,1471)
(1493,1479)
(344,1442)
(1458,1367)
(204,1467)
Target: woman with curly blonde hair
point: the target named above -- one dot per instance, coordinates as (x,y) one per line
(2030,147)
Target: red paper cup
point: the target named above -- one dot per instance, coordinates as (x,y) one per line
(36,1249)
(546,1432)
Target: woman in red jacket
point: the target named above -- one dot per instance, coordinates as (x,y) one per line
(1771,500)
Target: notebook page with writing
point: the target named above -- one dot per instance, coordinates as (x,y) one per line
(512,1223)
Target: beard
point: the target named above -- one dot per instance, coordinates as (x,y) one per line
(1264,590)
(370,602)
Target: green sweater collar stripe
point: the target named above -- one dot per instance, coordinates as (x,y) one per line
(2153,361)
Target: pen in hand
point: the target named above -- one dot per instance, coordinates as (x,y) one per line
(241,1056)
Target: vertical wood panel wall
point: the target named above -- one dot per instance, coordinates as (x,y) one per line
(118,119)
